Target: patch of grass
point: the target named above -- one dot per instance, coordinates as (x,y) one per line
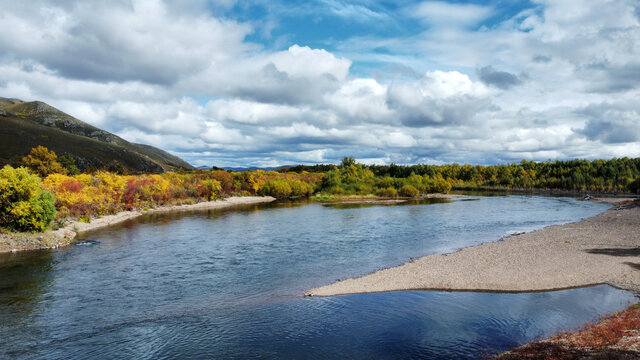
(601,340)
(58,224)
(323,198)
(85,219)
(608,331)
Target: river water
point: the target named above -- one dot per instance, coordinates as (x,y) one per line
(228,284)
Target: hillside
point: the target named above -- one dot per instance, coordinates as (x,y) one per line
(24,125)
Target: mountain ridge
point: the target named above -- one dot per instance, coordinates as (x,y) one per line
(25,125)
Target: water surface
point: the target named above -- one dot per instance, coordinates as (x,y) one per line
(228,284)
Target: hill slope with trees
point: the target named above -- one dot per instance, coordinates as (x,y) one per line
(25,125)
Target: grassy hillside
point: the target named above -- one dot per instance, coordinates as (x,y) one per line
(24,125)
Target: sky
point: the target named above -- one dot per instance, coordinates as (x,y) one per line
(263,83)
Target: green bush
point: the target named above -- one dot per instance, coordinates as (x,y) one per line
(388,192)
(300,188)
(69,163)
(409,191)
(24,203)
(440,185)
(278,188)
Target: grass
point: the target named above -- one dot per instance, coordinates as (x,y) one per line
(332,198)
(608,331)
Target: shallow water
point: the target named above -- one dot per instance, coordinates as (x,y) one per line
(228,284)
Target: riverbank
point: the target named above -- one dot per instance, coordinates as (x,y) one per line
(613,337)
(378,200)
(599,250)
(544,191)
(11,242)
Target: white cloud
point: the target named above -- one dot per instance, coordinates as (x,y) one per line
(304,62)
(312,156)
(144,40)
(558,80)
(251,112)
(439,98)
(361,99)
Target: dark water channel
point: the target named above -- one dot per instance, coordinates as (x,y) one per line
(228,284)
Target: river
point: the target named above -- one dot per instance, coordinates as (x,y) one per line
(228,284)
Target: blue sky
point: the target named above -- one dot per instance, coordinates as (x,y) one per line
(267,83)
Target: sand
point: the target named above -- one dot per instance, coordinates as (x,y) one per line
(65,235)
(601,250)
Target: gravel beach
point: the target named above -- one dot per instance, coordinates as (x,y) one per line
(601,250)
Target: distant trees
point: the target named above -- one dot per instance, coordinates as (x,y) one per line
(347,161)
(597,175)
(634,186)
(284,188)
(27,203)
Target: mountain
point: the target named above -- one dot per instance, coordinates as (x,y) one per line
(24,125)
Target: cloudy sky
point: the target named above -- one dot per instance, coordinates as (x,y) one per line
(273,82)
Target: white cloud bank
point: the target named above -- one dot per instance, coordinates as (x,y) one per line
(557,81)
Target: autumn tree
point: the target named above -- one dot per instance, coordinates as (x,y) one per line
(24,203)
(42,162)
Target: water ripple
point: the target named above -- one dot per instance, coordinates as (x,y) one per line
(227,284)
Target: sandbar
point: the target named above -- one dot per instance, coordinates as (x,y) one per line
(604,249)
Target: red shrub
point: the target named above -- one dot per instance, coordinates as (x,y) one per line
(71,186)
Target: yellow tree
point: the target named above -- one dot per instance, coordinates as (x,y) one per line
(43,162)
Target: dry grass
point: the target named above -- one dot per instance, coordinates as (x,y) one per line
(613,337)
(609,331)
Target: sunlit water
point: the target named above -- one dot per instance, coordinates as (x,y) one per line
(228,284)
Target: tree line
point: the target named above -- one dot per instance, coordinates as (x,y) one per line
(43,187)
(615,175)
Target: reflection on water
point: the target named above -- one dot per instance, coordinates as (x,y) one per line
(410,202)
(25,277)
(227,284)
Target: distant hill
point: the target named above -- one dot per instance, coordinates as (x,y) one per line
(24,125)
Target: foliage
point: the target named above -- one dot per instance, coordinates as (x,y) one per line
(284,188)
(278,188)
(225,179)
(210,189)
(634,186)
(24,203)
(409,191)
(42,162)
(103,192)
(388,192)
(69,163)
(598,175)
(347,162)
